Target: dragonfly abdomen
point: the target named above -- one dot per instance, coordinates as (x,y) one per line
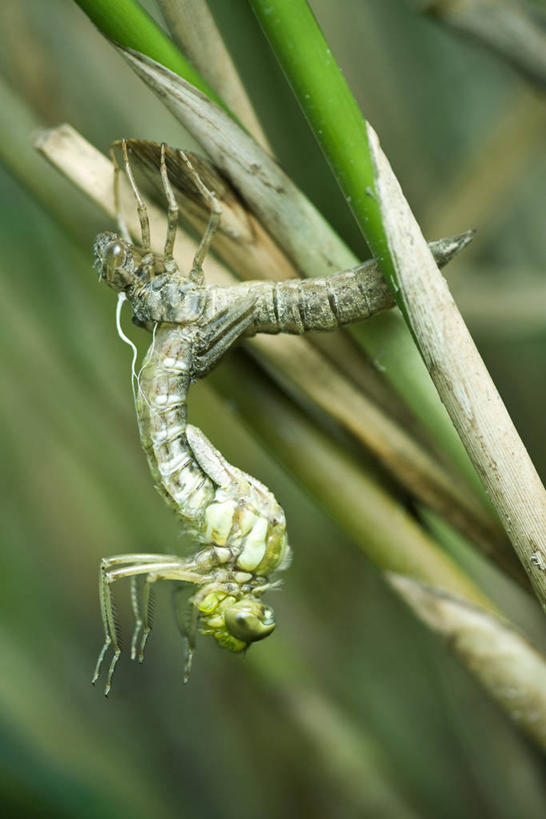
(162,413)
(296,306)
(220,505)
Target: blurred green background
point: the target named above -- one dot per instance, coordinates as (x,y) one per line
(350,708)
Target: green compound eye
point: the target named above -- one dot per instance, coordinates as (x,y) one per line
(249,621)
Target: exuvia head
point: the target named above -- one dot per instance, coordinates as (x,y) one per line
(115,260)
(249,620)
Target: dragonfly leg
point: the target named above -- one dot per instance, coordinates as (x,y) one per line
(141,207)
(153,567)
(136,594)
(110,630)
(117,202)
(191,631)
(172,212)
(147,609)
(191,642)
(214,219)
(186,626)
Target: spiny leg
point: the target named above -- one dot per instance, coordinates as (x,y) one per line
(107,640)
(147,609)
(214,219)
(142,604)
(135,603)
(191,636)
(188,630)
(173,206)
(165,567)
(141,207)
(117,202)
(191,633)
(110,630)
(136,559)
(107,576)
(160,570)
(191,642)
(155,567)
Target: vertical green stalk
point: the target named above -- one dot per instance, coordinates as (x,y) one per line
(341,132)
(457,370)
(332,112)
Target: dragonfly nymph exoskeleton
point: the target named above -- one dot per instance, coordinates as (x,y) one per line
(237,521)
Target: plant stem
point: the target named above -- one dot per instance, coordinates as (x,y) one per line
(194,30)
(462,381)
(127,23)
(331,110)
(457,370)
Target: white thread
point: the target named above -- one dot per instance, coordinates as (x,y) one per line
(119,306)
(148,354)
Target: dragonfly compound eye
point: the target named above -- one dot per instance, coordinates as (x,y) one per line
(249,620)
(113,261)
(114,256)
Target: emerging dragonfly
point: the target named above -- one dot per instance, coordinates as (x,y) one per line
(235,517)
(237,520)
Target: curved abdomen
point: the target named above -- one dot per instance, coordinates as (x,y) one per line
(220,505)
(162,416)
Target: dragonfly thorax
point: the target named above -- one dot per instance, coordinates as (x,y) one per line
(167,300)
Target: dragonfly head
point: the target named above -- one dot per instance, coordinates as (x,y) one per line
(249,620)
(235,623)
(115,260)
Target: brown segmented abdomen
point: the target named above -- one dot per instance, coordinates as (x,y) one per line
(325,303)
(297,305)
